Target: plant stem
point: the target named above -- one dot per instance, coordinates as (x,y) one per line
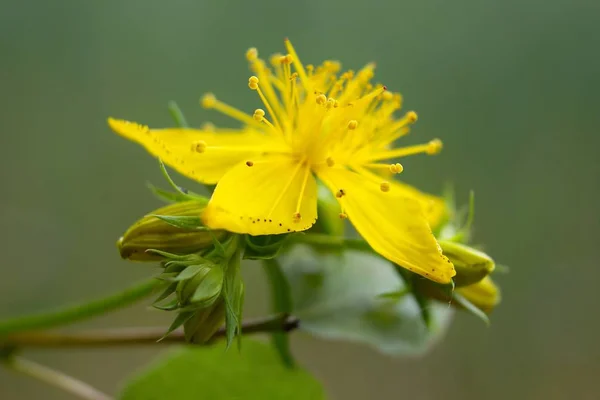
(55,378)
(281,302)
(135,336)
(79,312)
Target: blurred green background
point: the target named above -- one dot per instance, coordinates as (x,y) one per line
(510,86)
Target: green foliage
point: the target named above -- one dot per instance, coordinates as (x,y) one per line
(212,373)
(263,247)
(347,296)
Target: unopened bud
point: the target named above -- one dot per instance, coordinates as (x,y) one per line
(150,232)
(203,288)
(471,265)
(484,294)
(201,327)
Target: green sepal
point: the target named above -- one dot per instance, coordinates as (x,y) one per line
(233,294)
(169,290)
(179,320)
(209,289)
(191,223)
(169,306)
(471,308)
(263,247)
(170,197)
(471,265)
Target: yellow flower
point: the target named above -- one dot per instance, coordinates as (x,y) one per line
(337,128)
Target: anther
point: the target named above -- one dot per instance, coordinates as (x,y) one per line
(396,168)
(384,186)
(208,126)
(294,76)
(412,116)
(434,147)
(287,59)
(330,162)
(249,163)
(343,215)
(209,100)
(352,124)
(330,103)
(252,54)
(297,217)
(259,114)
(321,99)
(253,82)
(387,96)
(275,59)
(340,193)
(199,146)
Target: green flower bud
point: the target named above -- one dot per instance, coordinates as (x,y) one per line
(484,294)
(205,322)
(151,232)
(203,288)
(471,265)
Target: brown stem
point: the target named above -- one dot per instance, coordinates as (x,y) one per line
(134,336)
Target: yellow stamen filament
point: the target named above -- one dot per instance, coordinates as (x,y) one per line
(210,101)
(253,84)
(297,216)
(433,147)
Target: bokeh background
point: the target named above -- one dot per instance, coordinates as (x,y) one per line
(511,87)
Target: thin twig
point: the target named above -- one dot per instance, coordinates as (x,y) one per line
(54,378)
(80,312)
(134,336)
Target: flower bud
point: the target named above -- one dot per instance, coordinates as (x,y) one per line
(471,265)
(205,322)
(484,294)
(202,289)
(151,232)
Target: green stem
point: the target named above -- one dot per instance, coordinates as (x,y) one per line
(281,302)
(135,336)
(55,378)
(326,241)
(79,312)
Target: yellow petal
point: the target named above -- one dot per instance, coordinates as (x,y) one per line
(175,148)
(483,294)
(394,225)
(263,199)
(434,207)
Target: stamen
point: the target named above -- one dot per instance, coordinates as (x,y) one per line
(352,124)
(321,99)
(252,54)
(297,216)
(253,84)
(209,101)
(433,147)
(329,161)
(343,215)
(199,146)
(384,186)
(340,193)
(393,168)
(396,168)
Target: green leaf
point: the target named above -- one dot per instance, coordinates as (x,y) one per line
(183,222)
(193,373)
(344,297)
